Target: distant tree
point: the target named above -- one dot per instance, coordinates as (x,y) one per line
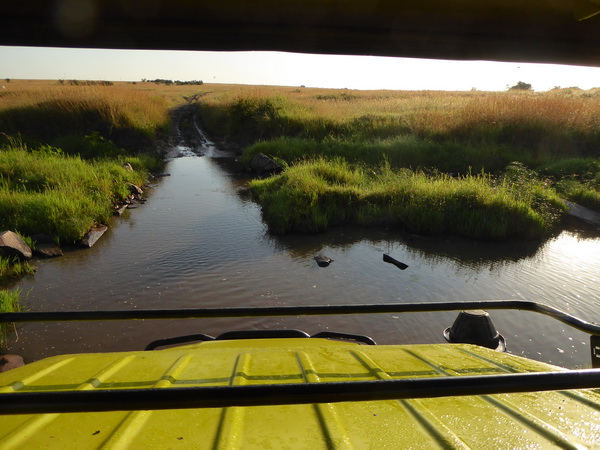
(521,86)
(8,80)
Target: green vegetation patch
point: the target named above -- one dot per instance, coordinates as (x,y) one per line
(44,191)
(577,179)
(9,302)
(401,151)
(313,195)
(14,268)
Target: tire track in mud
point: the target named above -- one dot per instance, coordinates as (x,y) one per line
(187,138)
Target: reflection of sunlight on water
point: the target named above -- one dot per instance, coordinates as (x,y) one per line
(576,251)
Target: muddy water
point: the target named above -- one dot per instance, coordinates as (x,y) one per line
(200,242)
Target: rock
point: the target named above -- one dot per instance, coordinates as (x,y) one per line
(93,235)
(11,244)
(135,190)
(323,261)
(120,210)
(398,264)
(263,165)
(583,213)
(47,250)
(8,362)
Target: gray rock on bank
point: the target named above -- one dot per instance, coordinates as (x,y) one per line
(135,190)
(9,362)
(93,235)
(261,164)
(11,245)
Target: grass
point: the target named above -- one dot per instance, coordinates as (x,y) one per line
(403,151)
(61,195)
(543,126)
(9,302)
(313,195)
(62,155)
(442,137)
(14,268)
(46,114)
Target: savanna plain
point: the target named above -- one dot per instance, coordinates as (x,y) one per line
(483,165)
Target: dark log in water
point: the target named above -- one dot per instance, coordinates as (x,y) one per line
(398,264)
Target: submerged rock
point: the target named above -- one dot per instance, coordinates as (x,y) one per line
(93,235)
(323,261)
(48,250)
(11,244)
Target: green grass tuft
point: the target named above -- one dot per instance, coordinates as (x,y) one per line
(9,302)
(313,195)
(61,195)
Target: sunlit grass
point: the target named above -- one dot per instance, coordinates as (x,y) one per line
(439,139)
(14,268)
(52,114)
(119,106)
(544,126)
(314,195)
(63,196)
(9,302)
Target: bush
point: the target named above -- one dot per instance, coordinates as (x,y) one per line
(521,86)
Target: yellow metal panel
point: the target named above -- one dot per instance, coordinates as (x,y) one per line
(489,421)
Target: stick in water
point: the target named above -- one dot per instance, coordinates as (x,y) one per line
(398,264)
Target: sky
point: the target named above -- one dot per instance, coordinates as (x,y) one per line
(287,69)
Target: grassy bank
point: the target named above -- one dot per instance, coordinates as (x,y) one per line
(9,302)
(63,151)
(555,134)
(62,195)
(14,268)
(313,195)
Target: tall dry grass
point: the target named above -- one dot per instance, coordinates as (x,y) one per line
(118,105)
(549,125)
(46,113)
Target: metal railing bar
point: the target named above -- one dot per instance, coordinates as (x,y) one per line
(207,313)
(297,393)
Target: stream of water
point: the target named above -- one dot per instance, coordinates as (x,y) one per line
(199,241)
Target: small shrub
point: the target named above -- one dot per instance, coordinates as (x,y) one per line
(521,86)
